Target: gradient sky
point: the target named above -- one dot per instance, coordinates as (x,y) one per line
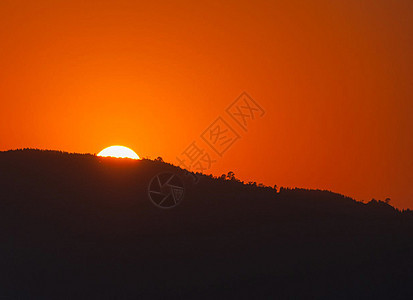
(334,78)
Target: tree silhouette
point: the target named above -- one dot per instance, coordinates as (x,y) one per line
(231,175)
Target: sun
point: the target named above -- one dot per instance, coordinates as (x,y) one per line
(118,151)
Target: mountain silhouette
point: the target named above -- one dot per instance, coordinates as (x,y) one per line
(82,226)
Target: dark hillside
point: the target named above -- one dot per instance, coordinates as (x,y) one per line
(77,225)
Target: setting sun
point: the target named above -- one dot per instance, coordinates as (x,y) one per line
(119,152)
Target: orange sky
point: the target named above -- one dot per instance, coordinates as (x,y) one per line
(334,77)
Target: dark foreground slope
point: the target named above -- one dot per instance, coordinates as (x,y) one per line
(82,226)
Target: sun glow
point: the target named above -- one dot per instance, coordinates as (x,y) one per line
(118,151)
